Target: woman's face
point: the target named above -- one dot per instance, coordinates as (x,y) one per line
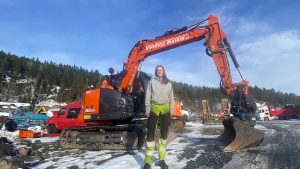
(160,71)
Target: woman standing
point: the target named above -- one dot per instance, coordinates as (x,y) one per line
(159,104)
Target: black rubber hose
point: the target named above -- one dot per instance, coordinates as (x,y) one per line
(222,88)
(235,62)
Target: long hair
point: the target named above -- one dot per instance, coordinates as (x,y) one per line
(165,79)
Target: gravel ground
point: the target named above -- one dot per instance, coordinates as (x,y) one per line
(192,149)
(280,148)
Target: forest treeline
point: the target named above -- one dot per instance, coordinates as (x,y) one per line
(21,78)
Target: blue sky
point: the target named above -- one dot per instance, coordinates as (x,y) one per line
(99,34)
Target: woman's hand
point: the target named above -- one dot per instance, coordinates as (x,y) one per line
(147,114)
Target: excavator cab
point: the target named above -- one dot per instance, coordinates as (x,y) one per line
(138,92)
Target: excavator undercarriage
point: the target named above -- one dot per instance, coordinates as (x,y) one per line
(119,137)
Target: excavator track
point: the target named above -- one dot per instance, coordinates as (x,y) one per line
(239,135)
(133,137)
(119,137)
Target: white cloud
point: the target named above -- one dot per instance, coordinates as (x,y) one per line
(268,58)
(273,60)
(271,47)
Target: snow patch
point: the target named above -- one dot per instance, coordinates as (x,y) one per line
(11,104)
(132,159)
(51,103)
(24,81)
(45,139)
(260,127)
(12,136)
(192,124)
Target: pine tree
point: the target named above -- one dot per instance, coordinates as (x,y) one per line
(74,80)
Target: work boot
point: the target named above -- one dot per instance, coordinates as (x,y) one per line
(162,164)
(147,166)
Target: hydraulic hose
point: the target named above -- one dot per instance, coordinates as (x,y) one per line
(227,44)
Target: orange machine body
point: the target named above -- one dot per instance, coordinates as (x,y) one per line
(91,101)
(28,134)
(177,109)
(90,104)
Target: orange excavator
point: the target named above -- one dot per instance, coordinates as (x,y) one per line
(119,100)
(179,117)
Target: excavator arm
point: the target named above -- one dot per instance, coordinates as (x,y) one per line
(217,47)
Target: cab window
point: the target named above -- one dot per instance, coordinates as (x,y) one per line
(62,111)
(73,113)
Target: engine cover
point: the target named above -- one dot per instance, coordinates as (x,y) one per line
(107,104)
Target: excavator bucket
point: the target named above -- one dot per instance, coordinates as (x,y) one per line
(239,135)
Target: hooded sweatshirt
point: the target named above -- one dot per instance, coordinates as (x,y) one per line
(159,93)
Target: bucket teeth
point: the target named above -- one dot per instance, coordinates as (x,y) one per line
(239,135)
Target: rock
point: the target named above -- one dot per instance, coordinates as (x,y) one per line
(43,150)
(45,155)
(24,151)
(24,142)
(37,156)
(5,140)
(57,154)
(37,142)
(10,125)
(36,146)
(5,164)
(6,150)
(11,163)
(28,143)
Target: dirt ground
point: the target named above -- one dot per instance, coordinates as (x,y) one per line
(280,149)
(192,149)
